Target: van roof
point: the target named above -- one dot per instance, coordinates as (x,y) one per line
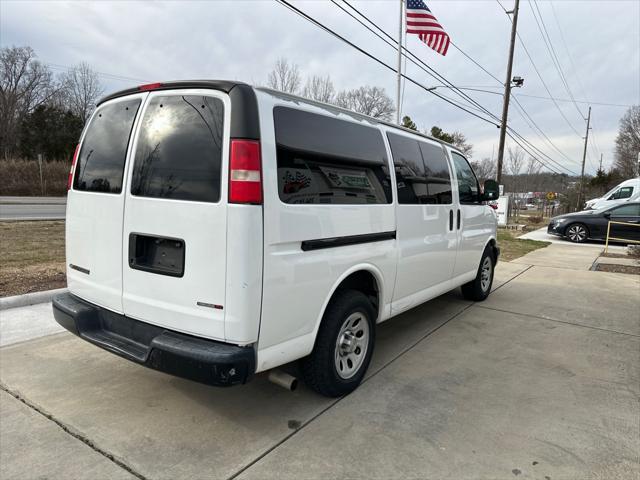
(228,86)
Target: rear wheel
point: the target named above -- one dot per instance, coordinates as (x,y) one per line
(344,345)
(479,288)
(577,232)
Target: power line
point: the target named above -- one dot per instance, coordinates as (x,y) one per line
(586,102)
(392,42)
(566,49)
(364,52)
(532,124)
(110,76)
(477,106)
(340,37)
(524,47)
(552,52)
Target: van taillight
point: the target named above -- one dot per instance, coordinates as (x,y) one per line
(73,166)
(245,172)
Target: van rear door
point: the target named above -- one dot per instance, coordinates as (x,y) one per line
(95,204)
(175,220)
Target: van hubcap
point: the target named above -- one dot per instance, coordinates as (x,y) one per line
(351,345)
(485,274)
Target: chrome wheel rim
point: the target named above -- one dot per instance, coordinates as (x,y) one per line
(485,274)
(577,233)
(351,345)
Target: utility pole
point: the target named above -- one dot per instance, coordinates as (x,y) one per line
(600,162)
(584,157)
(507,91)
(399,86)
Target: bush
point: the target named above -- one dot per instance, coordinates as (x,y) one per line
(22,178)
(536,219)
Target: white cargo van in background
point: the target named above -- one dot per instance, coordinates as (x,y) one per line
(215,230)
(627,191)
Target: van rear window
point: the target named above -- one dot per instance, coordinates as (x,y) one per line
(179,150)
(100,164)
(323,160)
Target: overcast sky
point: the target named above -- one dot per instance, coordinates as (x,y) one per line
(146,41)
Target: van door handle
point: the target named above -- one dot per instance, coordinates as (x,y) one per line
(450,220)
(458,219)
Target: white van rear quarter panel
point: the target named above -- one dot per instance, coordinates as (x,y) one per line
(298,284)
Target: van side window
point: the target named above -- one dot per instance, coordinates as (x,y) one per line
(100,164)
(422,172)
(437,172)
(624,192)
(468,188)
(323,160)
(179,151)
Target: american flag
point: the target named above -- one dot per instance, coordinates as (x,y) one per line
(421,21)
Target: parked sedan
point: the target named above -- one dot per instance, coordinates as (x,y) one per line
(592,224)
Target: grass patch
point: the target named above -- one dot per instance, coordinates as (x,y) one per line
(32,257)
(512,247)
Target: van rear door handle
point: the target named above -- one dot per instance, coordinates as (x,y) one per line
(458,219)
(450,220)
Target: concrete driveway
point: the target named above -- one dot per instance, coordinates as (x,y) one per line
(540,381)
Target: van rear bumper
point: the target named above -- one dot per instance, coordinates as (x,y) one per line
(202,360)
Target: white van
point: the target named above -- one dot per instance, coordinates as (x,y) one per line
(215,230)
(627,191)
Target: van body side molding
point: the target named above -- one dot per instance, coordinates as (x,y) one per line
(319,243)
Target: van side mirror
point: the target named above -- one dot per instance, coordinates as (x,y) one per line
(606,214)
(491,191)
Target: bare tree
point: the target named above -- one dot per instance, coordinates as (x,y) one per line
(628,143)
(320,89)
(285,77)
(485,169)
(532,172)
(25,84)
(82,89)
(515,161)
(372,101)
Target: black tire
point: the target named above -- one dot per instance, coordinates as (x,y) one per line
(477,289)
(319,369)
(577,232)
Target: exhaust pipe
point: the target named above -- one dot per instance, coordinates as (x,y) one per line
(283,380)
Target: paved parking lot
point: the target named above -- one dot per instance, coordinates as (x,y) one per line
(540,381)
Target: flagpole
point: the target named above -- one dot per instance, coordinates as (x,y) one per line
(399,86)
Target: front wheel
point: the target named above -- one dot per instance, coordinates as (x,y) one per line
(344,345)
(577,233)
(479,288)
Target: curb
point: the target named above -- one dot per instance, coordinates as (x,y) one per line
(29,299)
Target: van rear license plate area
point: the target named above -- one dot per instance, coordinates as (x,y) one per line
(159,255)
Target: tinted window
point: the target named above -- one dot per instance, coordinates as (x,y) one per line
(325,160)
(179,151)
(632,210)
(624,192)
(100,164)
(437,173)
(468,189)
(422,172)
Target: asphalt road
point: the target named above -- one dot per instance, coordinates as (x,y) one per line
(32,208)
(539,381)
